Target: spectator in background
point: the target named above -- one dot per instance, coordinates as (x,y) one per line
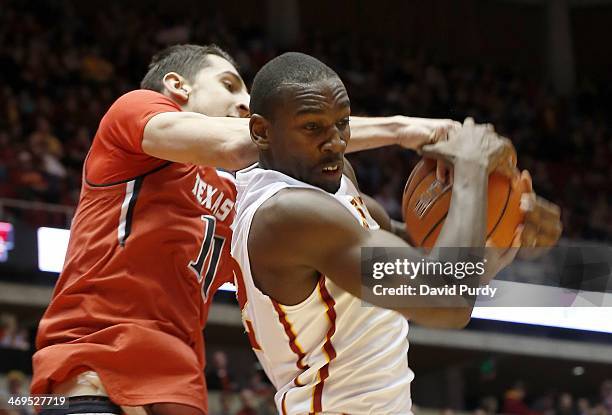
(267,406)
(565,405)
(259,383)
(18,386)
(514,401)
(11,335)
(489,405)
(248,400)
(606,395)
(218,376)
(600,410)
(8,330)
(583,406)
(30,182)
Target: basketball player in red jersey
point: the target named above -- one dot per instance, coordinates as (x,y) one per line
(150,240)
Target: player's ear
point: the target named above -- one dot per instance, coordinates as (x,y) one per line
(177,87)
(258,127)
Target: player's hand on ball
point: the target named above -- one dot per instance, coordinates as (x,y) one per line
(476,143)
(420,131)
(542,227)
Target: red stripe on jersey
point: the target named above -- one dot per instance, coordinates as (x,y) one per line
(251,335)
(328,348)
(293,345)
(358,204)
(284,408)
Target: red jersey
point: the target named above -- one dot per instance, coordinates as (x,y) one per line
(149,245)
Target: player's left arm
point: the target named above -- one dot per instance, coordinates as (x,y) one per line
(408,132)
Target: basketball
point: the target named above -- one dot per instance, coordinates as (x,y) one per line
(426,201)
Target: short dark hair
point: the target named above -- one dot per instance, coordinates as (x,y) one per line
(287,69)
(186,60)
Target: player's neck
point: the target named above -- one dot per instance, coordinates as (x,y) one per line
(266,161)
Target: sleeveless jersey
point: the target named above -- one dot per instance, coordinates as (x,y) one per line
(144,259)
(331,353)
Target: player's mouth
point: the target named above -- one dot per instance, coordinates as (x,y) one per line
(333,169)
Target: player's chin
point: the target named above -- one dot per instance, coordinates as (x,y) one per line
(330,185)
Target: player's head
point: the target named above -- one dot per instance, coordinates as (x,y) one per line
(201,79)
(299,119)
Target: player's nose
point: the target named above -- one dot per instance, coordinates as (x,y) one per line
(336,144)
(243,105)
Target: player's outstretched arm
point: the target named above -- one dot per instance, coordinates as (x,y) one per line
(225,142)
(408,132)
(189,137)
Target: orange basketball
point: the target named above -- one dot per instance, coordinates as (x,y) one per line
(426,201)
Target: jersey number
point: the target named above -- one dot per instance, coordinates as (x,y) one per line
(205,266)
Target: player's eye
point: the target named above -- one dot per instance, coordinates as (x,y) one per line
(229,86)
(343,124)
(312,126)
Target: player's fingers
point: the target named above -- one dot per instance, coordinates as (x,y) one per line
(507,169)
(444,130)
(512,151)
(434,151)
(441,171)
(526,182)
(506,163)
(550,235)
(518,236)
(529,236)
(533,216)
(540,212)
(548,209)
(546,241)
(528,201)
(505,160)
(433,136)
(468,122)
(546,220)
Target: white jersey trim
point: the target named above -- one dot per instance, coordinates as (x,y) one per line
(125,207)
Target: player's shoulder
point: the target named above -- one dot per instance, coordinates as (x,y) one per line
(143,96)
(133,109)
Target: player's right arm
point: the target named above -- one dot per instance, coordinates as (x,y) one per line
(193,138)
(300,233)
(143,130)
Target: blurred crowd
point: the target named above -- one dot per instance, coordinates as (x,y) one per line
(62,67)
(514,402)
(12,334)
